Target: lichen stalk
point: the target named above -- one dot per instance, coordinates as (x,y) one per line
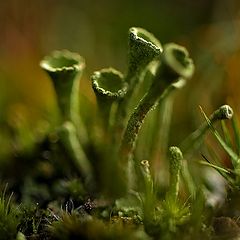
(143,49)
(65,69)
(109,87)
(175,65)
(175,166)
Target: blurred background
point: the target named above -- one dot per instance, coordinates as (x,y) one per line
(98,30)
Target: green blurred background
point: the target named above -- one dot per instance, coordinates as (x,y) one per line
(98,30)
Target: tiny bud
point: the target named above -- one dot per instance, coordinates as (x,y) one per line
(224,112)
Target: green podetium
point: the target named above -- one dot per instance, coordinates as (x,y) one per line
(65,69)
(149,201)
(164,221)
(174,212)
(109,87)
(149,193)
(143,49)
(175,165)
(69,138)
(174,66)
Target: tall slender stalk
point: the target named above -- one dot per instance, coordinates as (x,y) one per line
(143,49)
(65,69)
(175,65)
(149,200)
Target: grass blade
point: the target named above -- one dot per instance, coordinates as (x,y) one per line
(234,157)
(226,134)
(236,132)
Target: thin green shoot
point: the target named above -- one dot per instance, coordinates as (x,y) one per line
(230,152)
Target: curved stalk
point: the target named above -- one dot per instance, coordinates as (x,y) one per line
(175,65)
(195,138)
(143,49)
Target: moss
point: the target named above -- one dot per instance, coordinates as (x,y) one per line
(9,218)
